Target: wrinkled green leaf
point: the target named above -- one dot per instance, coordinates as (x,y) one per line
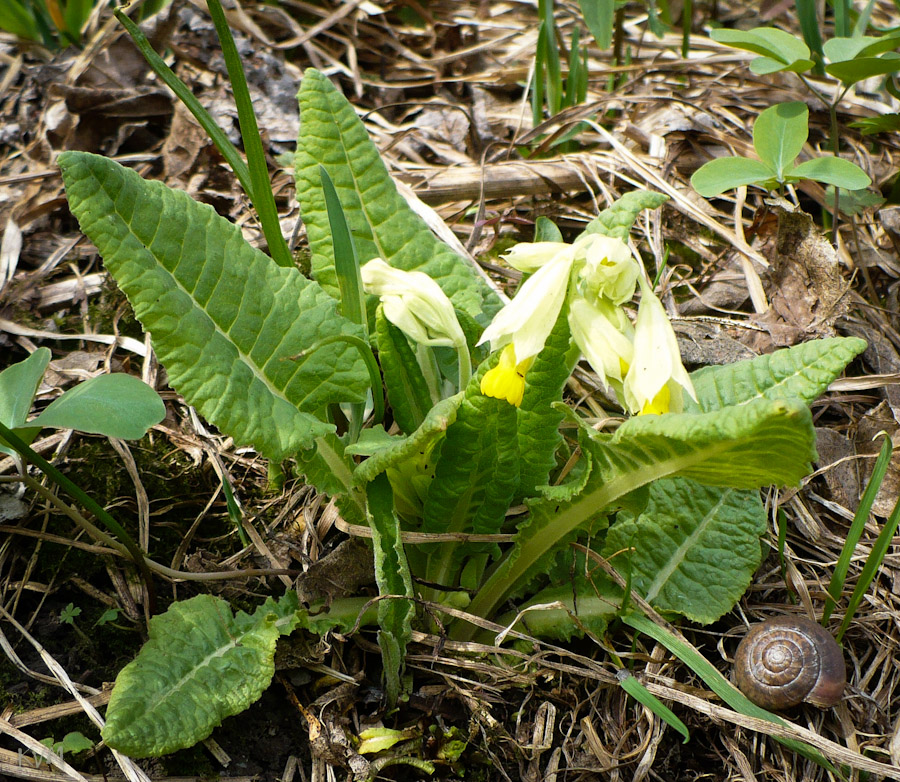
(726,173)
(760,443)
(392,575)
(833,171)
(695,548)
(201,665)
(537,421)
(616,220)
(116,405)
(779,134)
(381,222)
(224,318)
(327,467)
(801,372)
(441,416)
(475,478)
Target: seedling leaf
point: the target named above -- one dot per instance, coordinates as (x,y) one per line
(726,173)
(779,134)
(833,171)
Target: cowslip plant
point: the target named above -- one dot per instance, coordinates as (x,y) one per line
(272,358)
(779,134)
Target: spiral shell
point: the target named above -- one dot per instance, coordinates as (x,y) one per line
(788,660)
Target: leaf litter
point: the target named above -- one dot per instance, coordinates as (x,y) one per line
(445,103)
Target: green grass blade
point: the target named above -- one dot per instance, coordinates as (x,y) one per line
(879,550)
(537,86)
(554,72)
(217,135)
(346,262)
(261,192)
(809,27)
(836,586)
(687,17)
(691,657)
(643,696)
(598,16)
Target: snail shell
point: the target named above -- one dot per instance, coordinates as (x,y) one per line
(788,660)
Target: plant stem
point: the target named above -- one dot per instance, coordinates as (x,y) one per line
(261,192)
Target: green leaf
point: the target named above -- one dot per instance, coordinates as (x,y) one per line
(844,49)
(885,123)
(643,696)
(833,171)
(757,444)
(475,478)
(590,604)
(766,41)
(116,405)
(439,418)
(537,421)
(16,19)
(392,574)
(763,66)
(598,16)
(406,386)
(224,317)
(693,551)
(616,220)
(779,134)
(726,173)
(801,372)
(73,743)
(201,665)
(856,70)
(18,385)
(545,230)
(381,222)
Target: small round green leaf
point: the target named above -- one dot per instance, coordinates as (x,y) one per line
(861,68)
(833,171)
(117,405)
(766,41)
(725,173)
(779,134)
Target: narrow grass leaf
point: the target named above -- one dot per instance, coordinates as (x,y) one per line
(873,563)
(407,388)
(646,698)
(839,576)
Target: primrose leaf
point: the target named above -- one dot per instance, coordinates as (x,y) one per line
(861,68)
(224,318)
(616,220)
(833,171)
(116,405)
(537,421)
(201,665)
(725,173)
(475,478)
(433,428)
(766,41)
(18,385)
(779,134)
(395,615)
(756,444)
(381,222)
(693,551)
(800,372)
